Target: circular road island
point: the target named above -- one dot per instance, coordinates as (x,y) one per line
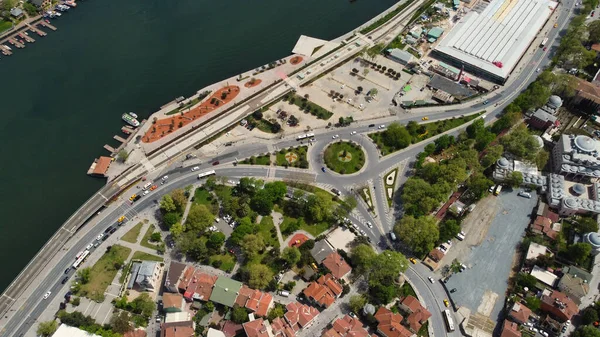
(344,157)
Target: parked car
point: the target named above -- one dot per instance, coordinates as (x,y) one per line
(47,294)
(413,260)
(431,279)
(524,194)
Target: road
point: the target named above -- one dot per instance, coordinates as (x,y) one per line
(431,294)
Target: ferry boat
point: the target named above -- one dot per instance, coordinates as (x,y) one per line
(133,115)
(129,119)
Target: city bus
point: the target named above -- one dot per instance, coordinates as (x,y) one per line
(81,258)
(448,319)
(306,136)
(206,174)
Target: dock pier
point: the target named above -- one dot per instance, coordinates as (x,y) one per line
(5,51)
(127,130)
(119,139)
(37,31)
(16,43)
(110,149)
(46,24)
(26,37)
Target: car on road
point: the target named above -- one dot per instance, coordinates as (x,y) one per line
(485,102)
(195,168)
(556,25)
(96,244)
(99,237)
(132,197)
(113,230)
(461,235)
(153,187)
(453,290)
(323,168)
(537,70)
(47,294)
(446,303)
(64,280)
(215,163)
(431,279)
(369,224)
(67,270)
(425,118)
(545,48)
(334,136)
(413,260)
(137,197)
(363,233)
(381,126)
(146,192)
(524,194)
(165,178)
(88,247)
(371,125)
(353,133)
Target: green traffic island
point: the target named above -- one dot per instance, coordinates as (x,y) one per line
(264,159)
(397,137)
(153,240)
(389,181)
(344,157)
(293,157)
(307,106)
(268,126)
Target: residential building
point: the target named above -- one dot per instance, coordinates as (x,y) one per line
(346,327)
(321,250)
(41,3)
(257,328)
(139,332)
(199,286)
(254,300)
(510,329)
(174,275)
(577,156)
(177,329)
(145,275)
(389,324)
(519,313)
(535,250)
(69,331)
(401,56)
(280,328)
(587,93)
(299,316)
(337,265)
(575,283)
(543,120)
(544,276)
(232,329)
(544,226)
(175,317)
(558,305)
(225,291)
(16,12)
(418,315)
(324,291)
(173,302)
(215,333)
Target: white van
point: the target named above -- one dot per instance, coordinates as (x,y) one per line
(393,236)
(147,186)
(284,293)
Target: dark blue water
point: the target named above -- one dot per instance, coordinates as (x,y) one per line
(61,98)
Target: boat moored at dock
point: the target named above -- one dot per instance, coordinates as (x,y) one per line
(129,119)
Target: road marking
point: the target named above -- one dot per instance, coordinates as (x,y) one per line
(105,198)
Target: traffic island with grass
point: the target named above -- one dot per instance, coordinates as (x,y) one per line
(264,159)
(390,181)
(344,157)
(365,193)
(133,233)
(294,157)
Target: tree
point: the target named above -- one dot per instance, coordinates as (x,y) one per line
(143,305)
(123,155)
(30,9)
(579,252)
(514,179)
(257,114)
(357,302)
(252,244)
(396,136)
(291,255)
(589,316)
(276,190)
(84,275)
(585,224)
(479,184)
(533,303)
(449,229)
(277,311)
(318,208)
(419,234)
(155,237)
(586,331)
(239,314)
(362,257)
(259,276)
(492,154)
(216,240)
(443,142)
(191,243)
(526,280)
(387,266)
(179,199)
(167,205)
(383,293)
(521,143)
(46,329)
(243,229)
(120,322)
(262,203)
(199,218)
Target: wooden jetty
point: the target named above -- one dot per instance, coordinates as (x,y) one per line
(46,24)
(109,148)
(37,31)
(127,130)
(120,139)
(16,43)
(5,51)
(26,37)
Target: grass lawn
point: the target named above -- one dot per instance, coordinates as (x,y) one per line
(394,173)
(298,155)
(260,160)
(266,229)
(308,106)
(315,229)
(133,234)
(103,272)
(146,257)
(146,239)
(406,290)
(262,124)
(201,197)
(424,331)
(4,25)
(424,131)
(397,43)
(344,157)
(227,262)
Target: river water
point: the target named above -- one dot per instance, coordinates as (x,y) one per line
(62,97)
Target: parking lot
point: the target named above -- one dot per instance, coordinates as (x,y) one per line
(482,286)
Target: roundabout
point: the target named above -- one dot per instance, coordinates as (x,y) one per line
(344,157)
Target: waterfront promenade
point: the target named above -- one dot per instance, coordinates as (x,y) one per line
(15,301)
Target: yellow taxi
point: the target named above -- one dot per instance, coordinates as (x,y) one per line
(556,25)
(413,260)
(446,303)
(121,219)
(425,118)
(132,197)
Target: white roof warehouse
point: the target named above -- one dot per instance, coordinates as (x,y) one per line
(491,43)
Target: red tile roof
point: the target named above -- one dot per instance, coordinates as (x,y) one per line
(418,313)
(412,303)
(256,328)
(199,285)
(389,324)
(324,291)
(243,295)
(102,165)
(543,225)
(187,276)
(559,305)
(259,302)
(177,329)
(510,329)
(231,329)
(520,313)
(336,264)
(346,327)
(172,300)
(299,315)
(135,333)
(281,328)
(436,255)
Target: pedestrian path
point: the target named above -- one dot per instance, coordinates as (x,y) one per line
(277,220)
